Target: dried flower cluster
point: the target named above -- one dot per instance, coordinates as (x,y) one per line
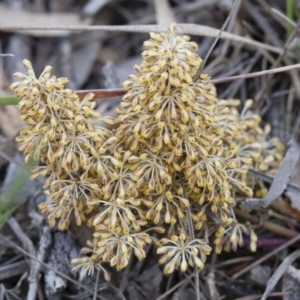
(260,152)
(60,133)
(170,173)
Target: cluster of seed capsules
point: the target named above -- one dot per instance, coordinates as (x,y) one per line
(169,173)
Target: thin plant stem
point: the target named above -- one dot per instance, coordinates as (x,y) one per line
(267,225)
(192,235)
(61,274)
(96,285)
(290,9)
(260,96)
(107,93)
(267,256)
(201,67)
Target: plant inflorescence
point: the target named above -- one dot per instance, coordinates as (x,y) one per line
(170,173)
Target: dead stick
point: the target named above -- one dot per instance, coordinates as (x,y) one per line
(275,228)
(36,266)
(107,93)
(276,63)
(24,252)
(266,257)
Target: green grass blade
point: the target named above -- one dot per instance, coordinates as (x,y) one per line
(290,13)
(6,199)
(9,100)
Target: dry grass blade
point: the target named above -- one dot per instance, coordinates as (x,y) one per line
(175,287)
(232,261)
(13,269)
(163,12)
(267,256)
(279,272)
(256,74)
(23,238)
(184,281)
(107,93)
(96,285)
(284,17)
(291,283)
(212,288)
(93,6)
(33,278)
(13,17)
(46,266)
(192,29)
(280,181)
(276,64)
(192,234)
(267,225)
(269,179)
(254,297)
(201,67)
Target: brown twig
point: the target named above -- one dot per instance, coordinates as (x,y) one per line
(256,74)
(24,252)
(259,99)
(175,287)
(201,67)
(193,29)
(107,93)
(20,234)
(102,93)
(275,228)
(257,297)
(267,256)
(96,285)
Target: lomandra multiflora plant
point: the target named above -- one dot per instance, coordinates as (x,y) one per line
(170,173)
